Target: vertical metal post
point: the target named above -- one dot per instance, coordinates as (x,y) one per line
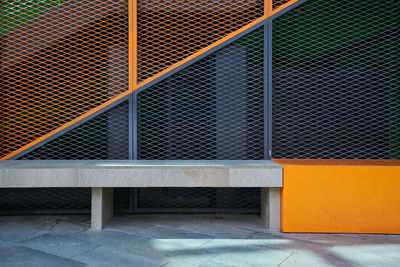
(132,14)
(133,78)
(130,126)
(268,89)
(267,7)
(134,126)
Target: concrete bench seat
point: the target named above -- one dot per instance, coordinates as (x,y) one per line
(102,176)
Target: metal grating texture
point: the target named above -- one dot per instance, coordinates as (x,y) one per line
(169,31)
(278,3)
(57,200)
(336,81)
(211,110)
(44,200)
(148,200)
(106,136)
(17,12)
(198,199)
(124,200)
(60,59)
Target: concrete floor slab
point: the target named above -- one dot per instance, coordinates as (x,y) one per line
(104,256)
(182,240)
(16,232)
(23,256)
(60,245)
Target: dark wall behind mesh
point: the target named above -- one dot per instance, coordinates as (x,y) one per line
(336,84)
(212,109)
(208,198)
(44,200)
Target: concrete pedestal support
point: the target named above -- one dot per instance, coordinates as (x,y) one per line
(271,207)
(102,206)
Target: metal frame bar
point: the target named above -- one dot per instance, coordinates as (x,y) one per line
(268,88)
(135,126)
(130,123)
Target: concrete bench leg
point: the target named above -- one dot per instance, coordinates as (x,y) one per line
(102,206)
(271,207)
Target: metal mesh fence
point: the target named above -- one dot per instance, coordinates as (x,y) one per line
(106,136)
(44,200)
(336,80)
(195,199)
(147,200)
(278,3)
(212,109)
(60,59)
(169,31)
(58,200)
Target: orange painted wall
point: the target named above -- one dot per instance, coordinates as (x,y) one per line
(341,196)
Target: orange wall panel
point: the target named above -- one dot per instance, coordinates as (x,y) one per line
(341,196)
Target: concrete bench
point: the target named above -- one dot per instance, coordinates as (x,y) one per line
(102,176)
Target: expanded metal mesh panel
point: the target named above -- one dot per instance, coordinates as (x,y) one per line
(169,31)
(57,200)
(123,200)
(336,80)
(148,200)
(44,200)
(60,59)
(106,136)
(278,3)
(17,12)
(199,198)
(212,109)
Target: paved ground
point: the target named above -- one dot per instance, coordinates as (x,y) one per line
(182,240)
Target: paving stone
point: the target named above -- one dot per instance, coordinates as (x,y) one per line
(161,232)
(307,259)
(345,239)
(103,256)
(23,256)
(177,246)
(243,254)
(193,258)
(60,245)
(64,227)
(369,255)
(110,238)
(215,229)
(126,225)
(17,232)
(251,222)
(7,244)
